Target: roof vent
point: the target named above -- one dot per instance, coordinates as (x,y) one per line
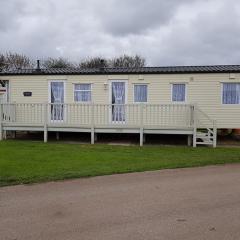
(38,69)
(102,65)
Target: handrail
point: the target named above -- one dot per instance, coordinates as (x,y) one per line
(211,130)
(89,103)
(206,115)
(139,115)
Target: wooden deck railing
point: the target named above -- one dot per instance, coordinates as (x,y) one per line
(174,115)
(137,118)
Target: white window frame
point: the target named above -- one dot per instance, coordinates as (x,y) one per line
(110,95)
(74,90)
(137,84)
(110,90)
(186,92)
(227,104)
(8,86)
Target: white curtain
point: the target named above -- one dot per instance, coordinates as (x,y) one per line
(82,93)
(178,92)
(231,93)
(118,97)
(57,97)
(140,93)
(57,92)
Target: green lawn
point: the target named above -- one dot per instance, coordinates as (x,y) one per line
(28,162)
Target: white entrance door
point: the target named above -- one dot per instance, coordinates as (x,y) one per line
(57,100)
(7,109)
(4,92)
(118,101)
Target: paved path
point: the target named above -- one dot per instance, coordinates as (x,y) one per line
(197,203)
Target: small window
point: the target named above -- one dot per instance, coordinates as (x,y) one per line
(179,92)
(82,92)
(140,93)
(231,93)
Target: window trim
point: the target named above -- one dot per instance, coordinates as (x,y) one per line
(228,104)
(144,84)
(186,93)
(74,90)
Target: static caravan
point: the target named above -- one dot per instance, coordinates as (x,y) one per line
(189,100)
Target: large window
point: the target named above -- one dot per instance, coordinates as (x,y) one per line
(231,93)
(140,93)
(82,92)
(179,92)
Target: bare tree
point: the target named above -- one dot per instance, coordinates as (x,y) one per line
(2,61)
(122,61)
(94,62)
(127,61)
(57,63)
(12,61)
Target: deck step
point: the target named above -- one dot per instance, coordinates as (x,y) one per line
(202,134)
(205,143)
(205,137)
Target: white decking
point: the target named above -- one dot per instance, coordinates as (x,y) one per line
(107,118)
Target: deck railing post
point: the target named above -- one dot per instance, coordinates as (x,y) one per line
(45,121)
(214,133)
(92,124)
(14,109)
(1,117)
(194,125)
(191,115)
(141,124)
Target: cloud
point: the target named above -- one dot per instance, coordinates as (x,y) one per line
(133,17)
(164,32)
(10,11)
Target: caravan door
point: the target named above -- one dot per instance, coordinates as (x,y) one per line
(57,98)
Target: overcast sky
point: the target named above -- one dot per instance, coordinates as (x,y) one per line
(165,32)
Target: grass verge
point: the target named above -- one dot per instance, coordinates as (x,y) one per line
(30,162)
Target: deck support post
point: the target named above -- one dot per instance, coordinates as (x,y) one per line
(194,126)
(141,137)
(144,138)
(189,140)
(57,135)
(14,134)
(5,134)
(95,137)
(92,135)
(45,122)
(1,128)
(92,123)
(141,125)
(194,137)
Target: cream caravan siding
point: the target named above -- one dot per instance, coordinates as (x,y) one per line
(202,89)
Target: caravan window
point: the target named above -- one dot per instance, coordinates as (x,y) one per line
(140,93)
(179,92)
(231,93)
(83,92)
